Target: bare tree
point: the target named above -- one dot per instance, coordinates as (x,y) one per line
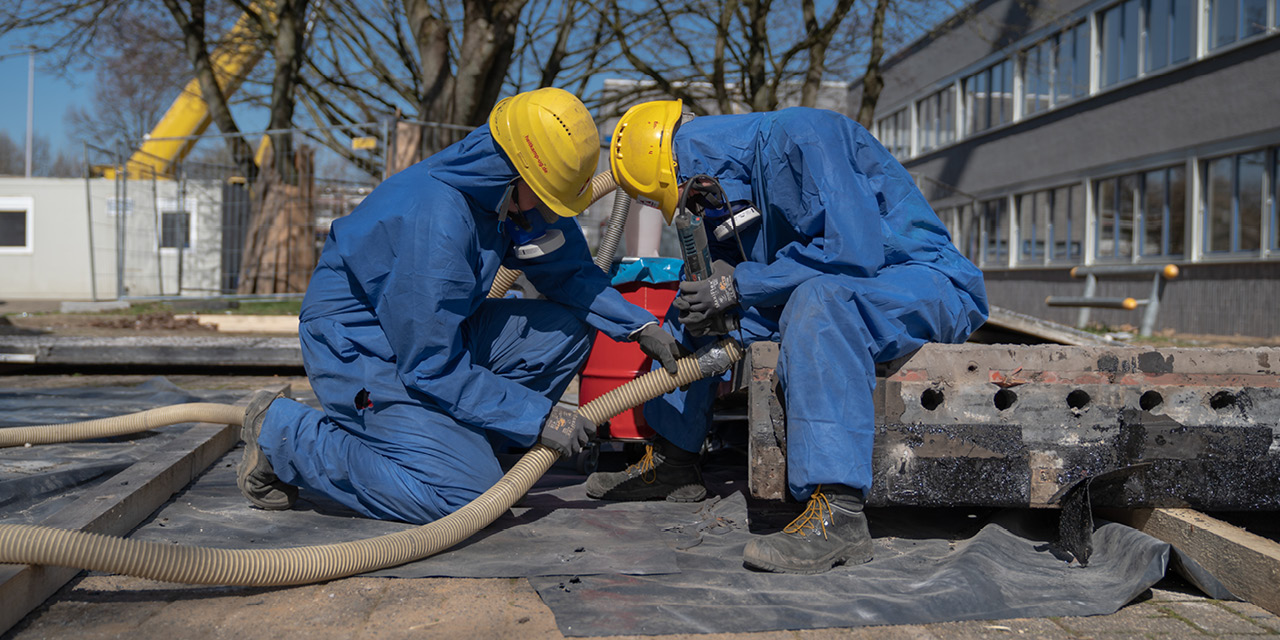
(68,28)
(136,79)
(279,28)
(759,49)
(45,163)
(442,61)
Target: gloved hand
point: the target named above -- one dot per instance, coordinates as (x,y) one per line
(701,300)
(660,346)
(566,432)
(703,193)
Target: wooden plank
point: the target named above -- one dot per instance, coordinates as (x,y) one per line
(202,350)
(1245,563)
(117,506)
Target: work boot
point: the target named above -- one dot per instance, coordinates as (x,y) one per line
(255,477)
(831,531)
(666,472)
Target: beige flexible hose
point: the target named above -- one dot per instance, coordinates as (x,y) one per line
(121,425)
(601,184)
(28,544)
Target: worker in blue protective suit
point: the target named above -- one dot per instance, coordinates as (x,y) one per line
(419,374)
(826,246)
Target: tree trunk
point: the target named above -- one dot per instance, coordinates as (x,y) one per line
(280,248)
(289,47)
(762,99)
(195,41)
(872,81)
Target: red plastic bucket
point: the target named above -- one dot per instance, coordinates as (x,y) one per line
(612,364)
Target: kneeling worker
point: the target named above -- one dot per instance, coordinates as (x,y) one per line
(420,376)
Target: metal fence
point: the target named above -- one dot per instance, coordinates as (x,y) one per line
(205,225)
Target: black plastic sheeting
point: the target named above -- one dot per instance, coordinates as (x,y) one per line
(625,568)
(35,482)
(546,533)
(922,573)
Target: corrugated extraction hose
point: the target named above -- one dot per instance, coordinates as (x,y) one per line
(28,544)
(613,233)
(601,184)
(122,425)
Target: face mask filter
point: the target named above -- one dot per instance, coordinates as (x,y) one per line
(531,234)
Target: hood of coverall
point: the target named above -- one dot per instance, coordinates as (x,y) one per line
(477,167)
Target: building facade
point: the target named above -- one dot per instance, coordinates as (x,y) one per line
(1055,134)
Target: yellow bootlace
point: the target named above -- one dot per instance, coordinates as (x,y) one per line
(646,466)
(817,509)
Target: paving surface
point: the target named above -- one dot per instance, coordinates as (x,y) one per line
(100,606)
(104,606)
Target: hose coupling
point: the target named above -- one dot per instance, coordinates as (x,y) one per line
(716,358)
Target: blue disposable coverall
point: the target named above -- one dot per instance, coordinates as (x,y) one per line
(419,374)
(847,267)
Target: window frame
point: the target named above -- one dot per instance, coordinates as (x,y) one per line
(1266,214)
(27,205)
(1123,223)
(994,244)
(170,205)
(1167,215)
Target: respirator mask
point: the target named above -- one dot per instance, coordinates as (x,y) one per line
(529,230)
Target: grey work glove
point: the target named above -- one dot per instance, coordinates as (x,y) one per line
(701,300)
(660,346)
(566,432)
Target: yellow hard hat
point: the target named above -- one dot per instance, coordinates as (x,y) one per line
(641,157)
(553,143)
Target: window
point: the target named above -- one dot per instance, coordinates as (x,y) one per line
(1162,222)
(1233,201)
(1275,201)
(1037,77)
(16,224)
(175,223)
(1072,79)
(988,97)
(175,230)
(995,233)
(1250,168)
(1051,226)
(1033,220)
(1066,224)
(1116,204)
(1232,20)
(1168,27)
(894,133)
(1119,43)
(935,120)
(1056,70)
(967,235)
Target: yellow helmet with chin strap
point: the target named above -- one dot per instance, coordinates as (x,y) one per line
(551,139)
(640,155)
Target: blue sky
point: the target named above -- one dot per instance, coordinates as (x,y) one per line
(52,95)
